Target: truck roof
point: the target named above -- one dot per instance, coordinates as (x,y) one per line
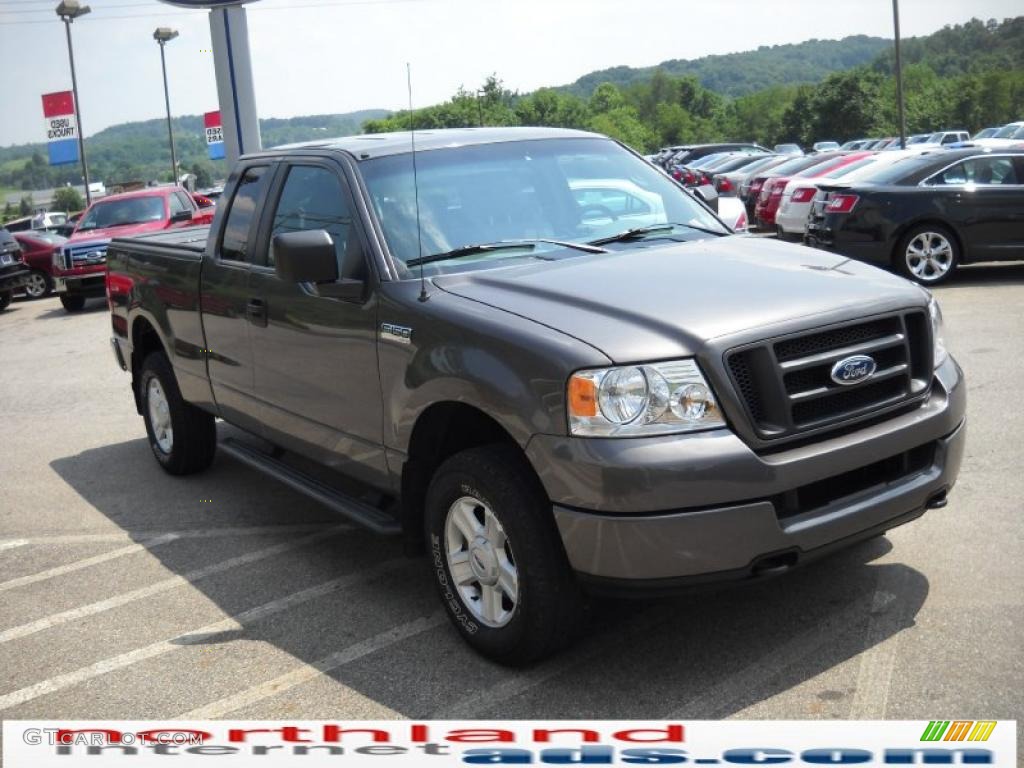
(370,145)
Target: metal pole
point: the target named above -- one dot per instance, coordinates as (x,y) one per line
(170,132)
(78,111)
(899,76)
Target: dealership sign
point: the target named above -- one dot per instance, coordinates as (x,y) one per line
(214,135)
(61,127)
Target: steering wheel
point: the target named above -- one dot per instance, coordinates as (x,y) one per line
(601,211)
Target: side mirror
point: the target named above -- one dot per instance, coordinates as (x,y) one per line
(310,257)
(181,216)
(709,195)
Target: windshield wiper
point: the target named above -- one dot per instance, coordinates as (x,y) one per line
(637,232)
(502,245)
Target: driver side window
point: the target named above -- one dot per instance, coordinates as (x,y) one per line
(312,198)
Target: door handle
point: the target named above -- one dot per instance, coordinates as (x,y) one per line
(256,312)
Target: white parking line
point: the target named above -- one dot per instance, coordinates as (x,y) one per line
(143,536)
(889,617)
(195,637)
(89,561)
(311,671)
(191,577)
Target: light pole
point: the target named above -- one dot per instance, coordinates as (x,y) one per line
(69,10)
(899,76)
(162,35)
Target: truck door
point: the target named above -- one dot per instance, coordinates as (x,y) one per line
(225,299)
(315,358)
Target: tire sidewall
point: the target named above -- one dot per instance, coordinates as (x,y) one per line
(900,257)
(148,374)
(446,488)
(72,303)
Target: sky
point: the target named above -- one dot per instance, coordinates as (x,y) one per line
(332,56)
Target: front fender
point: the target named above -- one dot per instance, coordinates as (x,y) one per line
(459,350)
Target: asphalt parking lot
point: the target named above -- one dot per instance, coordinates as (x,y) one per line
(126,593)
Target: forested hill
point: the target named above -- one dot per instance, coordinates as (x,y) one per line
(738,74)
(139,150)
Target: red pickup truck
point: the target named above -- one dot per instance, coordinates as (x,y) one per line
(81,263)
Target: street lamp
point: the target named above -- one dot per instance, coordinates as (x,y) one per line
(162,35)
(69,10)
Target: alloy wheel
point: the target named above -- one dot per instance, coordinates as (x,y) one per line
(36,286)
(160,416)
(481,562)
(929,256)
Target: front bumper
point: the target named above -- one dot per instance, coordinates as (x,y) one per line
(660,513)
(89,284)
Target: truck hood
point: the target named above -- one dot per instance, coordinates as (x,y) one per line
(658,302)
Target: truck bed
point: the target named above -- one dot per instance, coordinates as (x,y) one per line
(188,240)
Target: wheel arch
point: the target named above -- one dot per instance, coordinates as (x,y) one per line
(145,339)
(441,430)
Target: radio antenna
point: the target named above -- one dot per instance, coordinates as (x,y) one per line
(416,183)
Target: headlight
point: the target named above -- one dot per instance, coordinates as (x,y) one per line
(939,353)
(640,400)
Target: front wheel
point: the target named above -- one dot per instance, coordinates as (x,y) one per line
(73,303)
(38,285)
(927,254)
(183,438)
(497,558)
(5,299)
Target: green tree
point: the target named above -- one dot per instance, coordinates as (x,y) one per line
(607,97)
(68,199)
(204,178)
(26,206)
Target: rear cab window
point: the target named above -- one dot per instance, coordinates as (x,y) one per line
(234,244)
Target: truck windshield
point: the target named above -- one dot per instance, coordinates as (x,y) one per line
(116,213)
(575,190)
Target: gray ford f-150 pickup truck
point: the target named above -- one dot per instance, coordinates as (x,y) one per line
(541,360)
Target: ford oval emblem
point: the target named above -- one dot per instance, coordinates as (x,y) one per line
(853,370)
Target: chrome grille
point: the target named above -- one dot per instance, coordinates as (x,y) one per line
(84,254)
(786,387)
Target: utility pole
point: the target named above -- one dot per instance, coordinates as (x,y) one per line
(162,35)
(69,10)
(899,76)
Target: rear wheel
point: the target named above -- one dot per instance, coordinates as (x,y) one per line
(73,303)
(183,438)
(927,254)
(497,557)
(38,285)
(5,299)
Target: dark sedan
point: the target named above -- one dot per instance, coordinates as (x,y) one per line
(13,274)
(926,215)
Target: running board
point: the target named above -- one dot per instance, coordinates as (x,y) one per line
(352,508)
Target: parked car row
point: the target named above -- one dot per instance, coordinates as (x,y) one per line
(75,266)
